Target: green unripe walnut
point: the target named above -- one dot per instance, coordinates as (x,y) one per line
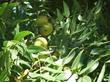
(46,29)
(41,42)
(41,20)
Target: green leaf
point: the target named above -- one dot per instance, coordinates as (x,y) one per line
(98,8)
(7,43)
(20,49)
(1,54)
(66,26)
(101,75)
(11,5)
(77,62)
(51,70)
(109,78)
(24,63)
(44,76)
(84,79)
(14,54)
(59,15)
(3,75)
(107,61)
(19,36)
(49,61)
(47,77)
(76,6)
(66,9)
(88,67)
(93,67)
(34,49)
(17,69)
(73,78)
(42,80)
(69,57)
(61,77)
(16,30)
(3,8)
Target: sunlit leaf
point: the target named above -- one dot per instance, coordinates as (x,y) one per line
(89,67)
(101,75)
(84,79)
(69,57)
(93,67)
(44,76)
(62,76)
(77,61)
(13,54)
(51,70)
(73,78)
(66,9)
(19,36)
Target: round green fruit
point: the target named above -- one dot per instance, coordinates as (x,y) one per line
(46,29)
(41,42)
(41,20)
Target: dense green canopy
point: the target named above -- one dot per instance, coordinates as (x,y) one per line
(54,41)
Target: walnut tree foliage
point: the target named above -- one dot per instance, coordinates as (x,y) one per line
(77,49)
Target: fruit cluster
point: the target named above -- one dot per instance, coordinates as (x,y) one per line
(45,27)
